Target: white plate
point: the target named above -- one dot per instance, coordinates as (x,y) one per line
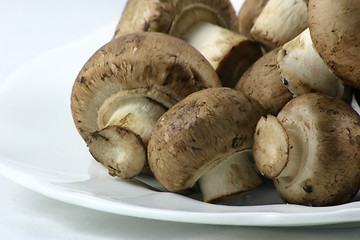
(41,149)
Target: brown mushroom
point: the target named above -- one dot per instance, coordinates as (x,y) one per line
(325,56)
(210,26)
(303,70)
(125,87)
(334,27)
(262,81)
(207,136)
(311,150)
(279,22)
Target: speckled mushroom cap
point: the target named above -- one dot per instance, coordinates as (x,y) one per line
(174,16)
(335,30)
(262,81)
(155,65)
(200,131)
(328,135)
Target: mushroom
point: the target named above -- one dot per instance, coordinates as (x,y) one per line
(125,87)
(207,136)
(279,22)
(303,70)
(334,27)
(210,26)
(311,150)
(262,81)
(248,13)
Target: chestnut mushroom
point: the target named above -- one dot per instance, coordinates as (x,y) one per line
(311,150)
(207,136)
(303,70)
(124,88)
(210,26)
(279,22)
(325,57)
(262,81)
(334,27)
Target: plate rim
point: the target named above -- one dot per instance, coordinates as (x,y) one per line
(265,218)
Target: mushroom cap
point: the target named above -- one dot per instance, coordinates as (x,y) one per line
(262,81)
(329,171)
(334,26)
(199,132)
(173,16)
(248,14)
(160,67)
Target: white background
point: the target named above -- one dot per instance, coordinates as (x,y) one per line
(30,28)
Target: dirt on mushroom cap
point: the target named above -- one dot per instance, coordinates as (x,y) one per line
(198,131)
(334,27)
(166,67)
(161,16)
(330,170)
(262,81)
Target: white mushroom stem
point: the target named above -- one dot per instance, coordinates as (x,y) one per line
(279,22)
(232,176)
(136,113)
(125,120)
(121,151)
(278,148)
(302,70)
(229,53)
(212,41)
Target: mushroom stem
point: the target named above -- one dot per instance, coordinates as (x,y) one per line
(278,148)
(137,113)
(302,70)
(121,151)
(125,120)
(228,52)
(279,22)
(236,174)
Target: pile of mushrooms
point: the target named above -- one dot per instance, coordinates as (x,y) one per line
(125,87)
(211,26)
(309,143)
(192,93)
